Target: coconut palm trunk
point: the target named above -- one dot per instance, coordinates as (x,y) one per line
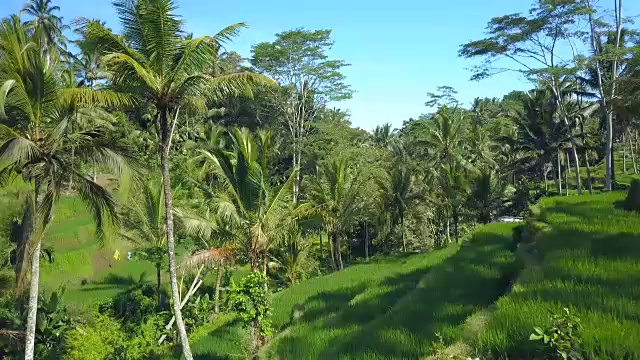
(332,250)
(338,253)
(586,162)
(559,174)
(219,274)
(633,155)
(171,246)
(624,154)
(366,242)
(33,302)
(404,240)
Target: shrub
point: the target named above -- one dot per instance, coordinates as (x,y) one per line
(105,339)
(132,306)
(632,201)
(527,232)
(561,338)
(96,341)
(250,300)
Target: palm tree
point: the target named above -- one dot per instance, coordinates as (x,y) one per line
(445,142)
(335,193)
(216,234)
(446,136)
(397,194)
(452,187)
(293,257)
(487,195)
(48,25)
(246,198)
(38,146)
(157,63)
(539,134)
(143,225)
(382,135)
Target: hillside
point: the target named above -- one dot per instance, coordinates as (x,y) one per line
(587,261)
(394,305)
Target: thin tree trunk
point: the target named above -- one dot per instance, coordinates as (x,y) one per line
(455,226)
(404,240)
(159,283)
(321,250)
(295,159)
(254,260)
(589,182)
(605,113)
(33,302)
(554,175)
(168,203)
(366,242)
(576,166)
(216,308)
(559,174)
(633,155)
(624,154)
(32,306)
(566,176)
(332,250)
(448,230)
(572,138)
(544,177)
(195,285)
(339,252)
(264,264)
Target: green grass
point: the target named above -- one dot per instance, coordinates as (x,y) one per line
(387,308)
(591,265)
(79,255)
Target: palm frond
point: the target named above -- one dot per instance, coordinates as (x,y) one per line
(99,201)
(209,257)
(127,67)
(90,97)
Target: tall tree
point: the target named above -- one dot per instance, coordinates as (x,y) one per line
(445,144)
(607,62)
(143,225)
(309,80)
(47,24)
(165,69)
(39,146)
(335,193)
(534,43)
(397,194)
(247,198)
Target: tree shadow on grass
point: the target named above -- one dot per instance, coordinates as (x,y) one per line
(111,281)
(227,342)
(399,318)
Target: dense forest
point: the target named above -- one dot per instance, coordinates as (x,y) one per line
(235,179)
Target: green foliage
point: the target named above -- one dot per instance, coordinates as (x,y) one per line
(298,58)
(632,201)
(488,196)
(199,312)
(52,324)
(561,337)
(106,339)
(293,258)
(133,306)
(250,299)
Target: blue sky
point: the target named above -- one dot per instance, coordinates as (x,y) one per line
(398,50)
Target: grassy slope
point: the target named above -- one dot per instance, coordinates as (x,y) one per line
(388,308)
(590,264)
(78,255)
